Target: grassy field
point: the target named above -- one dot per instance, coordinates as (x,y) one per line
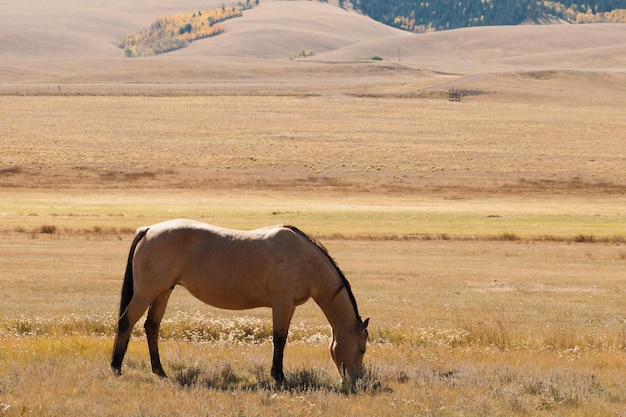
(372,143)
(458,327)
(484,239)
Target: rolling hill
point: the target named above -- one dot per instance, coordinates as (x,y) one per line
(69,41)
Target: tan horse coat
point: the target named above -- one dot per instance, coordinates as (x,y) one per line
(278,267)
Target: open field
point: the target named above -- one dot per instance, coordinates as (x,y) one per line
(490,256)
(383,141)
(485,239)
(458,327)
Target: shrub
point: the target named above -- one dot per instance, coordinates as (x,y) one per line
(48,229)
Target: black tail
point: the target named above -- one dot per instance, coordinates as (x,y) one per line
(127,286)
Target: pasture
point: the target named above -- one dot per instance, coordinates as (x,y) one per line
(485,240)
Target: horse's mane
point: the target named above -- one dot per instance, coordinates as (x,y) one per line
(344,281)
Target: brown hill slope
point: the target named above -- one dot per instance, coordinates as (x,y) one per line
(67,29)
(72,29)
(502,48)
(69,41)
(279,29)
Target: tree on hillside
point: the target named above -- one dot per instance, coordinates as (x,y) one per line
(185,29)
(174,32)
(425,15)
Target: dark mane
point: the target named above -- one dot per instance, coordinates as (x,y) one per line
(344,280)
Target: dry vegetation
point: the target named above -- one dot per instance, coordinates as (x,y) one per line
(450,337)
(485,239)
(170,33)
(370,139)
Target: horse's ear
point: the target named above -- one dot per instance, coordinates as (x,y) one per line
(364,324)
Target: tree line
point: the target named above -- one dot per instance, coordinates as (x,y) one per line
(432,15)
(175,32)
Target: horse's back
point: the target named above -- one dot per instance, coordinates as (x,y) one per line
(226,268)
(186,226)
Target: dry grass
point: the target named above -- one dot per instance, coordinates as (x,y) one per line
(484,239)
(455,388)
(336,215)
(367,144)
(537,332)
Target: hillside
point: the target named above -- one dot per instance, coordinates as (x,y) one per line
(597,47)
(74,29)
(277,29)
(74,42)
(427,16)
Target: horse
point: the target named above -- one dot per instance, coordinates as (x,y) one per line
(279,267)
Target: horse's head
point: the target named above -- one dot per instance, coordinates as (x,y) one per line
(347,350)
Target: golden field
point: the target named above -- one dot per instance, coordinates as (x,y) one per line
(484,239)
(493,273)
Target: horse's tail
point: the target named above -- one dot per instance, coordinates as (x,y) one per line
(127,286)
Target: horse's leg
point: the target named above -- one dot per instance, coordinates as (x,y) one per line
(281,318)
(152,326)
(127,321)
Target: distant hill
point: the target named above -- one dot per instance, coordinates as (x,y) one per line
(72,41)
(428,16)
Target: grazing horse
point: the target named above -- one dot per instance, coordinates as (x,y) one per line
(278,267)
